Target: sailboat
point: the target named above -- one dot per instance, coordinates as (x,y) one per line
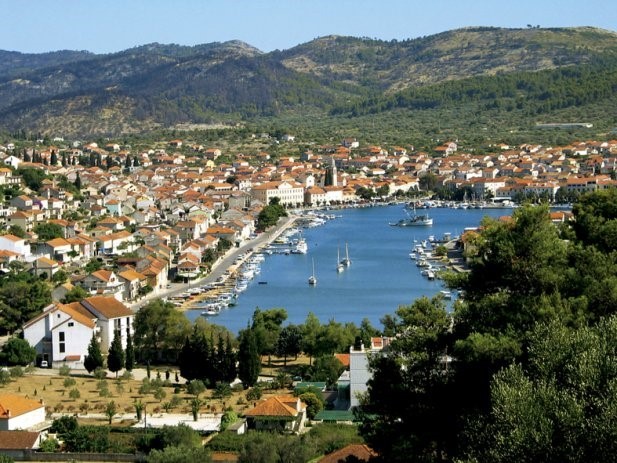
(339,264)
(313,279)
(346,261)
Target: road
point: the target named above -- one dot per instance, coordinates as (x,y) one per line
(222,265)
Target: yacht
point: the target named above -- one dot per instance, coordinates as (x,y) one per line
(346,260)
(313,279)
(339,264)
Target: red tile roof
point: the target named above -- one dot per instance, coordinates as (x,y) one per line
(17,440)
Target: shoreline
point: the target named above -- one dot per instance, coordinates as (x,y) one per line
(224,267)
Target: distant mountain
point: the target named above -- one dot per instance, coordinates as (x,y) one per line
(162,85)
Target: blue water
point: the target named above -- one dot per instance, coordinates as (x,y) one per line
(380,279)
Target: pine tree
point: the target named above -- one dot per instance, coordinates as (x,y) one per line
(249,363)
(94,359)
(115,357)
(129,354)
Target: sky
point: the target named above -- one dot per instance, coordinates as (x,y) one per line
(107,26)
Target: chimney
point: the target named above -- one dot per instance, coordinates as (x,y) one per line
(8,413)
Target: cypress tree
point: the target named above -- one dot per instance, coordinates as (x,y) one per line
(229,367)
(187,361)
(54,158)
(115,357)
(249,364)
(78,182)
(94,359)
(129,354)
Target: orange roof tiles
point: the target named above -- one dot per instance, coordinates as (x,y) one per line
(12,405)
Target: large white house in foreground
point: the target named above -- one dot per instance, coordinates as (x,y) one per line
(61,334)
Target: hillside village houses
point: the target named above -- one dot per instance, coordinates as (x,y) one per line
(159,210)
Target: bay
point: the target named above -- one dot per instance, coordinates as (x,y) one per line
(380,279)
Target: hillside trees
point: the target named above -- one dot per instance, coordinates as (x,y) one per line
(160,331)
(407,414)
(560,406)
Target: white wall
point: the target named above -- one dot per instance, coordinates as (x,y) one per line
(24,421)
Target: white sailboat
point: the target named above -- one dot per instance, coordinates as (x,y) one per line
(313,279)
(346,261)
(339,264)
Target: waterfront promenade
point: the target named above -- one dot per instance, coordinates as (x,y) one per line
(224,265)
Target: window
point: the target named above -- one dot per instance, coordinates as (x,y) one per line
(61,345)
(71,324)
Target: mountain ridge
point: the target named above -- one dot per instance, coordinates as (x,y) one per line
(160,85)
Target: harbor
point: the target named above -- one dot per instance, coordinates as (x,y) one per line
(382,276)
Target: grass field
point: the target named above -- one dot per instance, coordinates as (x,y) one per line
(55,391)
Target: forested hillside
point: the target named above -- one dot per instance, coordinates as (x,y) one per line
(532,71)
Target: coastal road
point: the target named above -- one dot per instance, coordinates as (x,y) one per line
(223,264)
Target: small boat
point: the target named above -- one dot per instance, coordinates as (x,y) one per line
(262,282)
(446,294)
(313,279)
(339,264)
(209,312)
(346,260)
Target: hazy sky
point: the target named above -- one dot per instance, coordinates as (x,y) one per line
(103,26)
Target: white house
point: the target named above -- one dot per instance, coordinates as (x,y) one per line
(12,161)
(61,334)
(17,412)
(359,373)
(111,315)
(15,244)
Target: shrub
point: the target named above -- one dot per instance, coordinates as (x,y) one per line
(68,382)
(49,445)
(74,394)
(254,394)
(64,370)
(16,372)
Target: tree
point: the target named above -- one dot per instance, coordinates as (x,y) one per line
(561,406)
(16,230)
(289,342)
(17,351)
(129,361)
(75,294)
(249,364)
(115,357)
(180,454)
(93,265)
(78,182)
(408,413)
(94,358)
(314,404)
(266,328)
(196,387)
(111,410)
(327,368)
(310,330)
(48,231)
(160,330)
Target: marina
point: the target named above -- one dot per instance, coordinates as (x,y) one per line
(382,277)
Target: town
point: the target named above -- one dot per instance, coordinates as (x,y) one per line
(109,228)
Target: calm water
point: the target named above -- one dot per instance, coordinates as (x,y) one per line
(380,278)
